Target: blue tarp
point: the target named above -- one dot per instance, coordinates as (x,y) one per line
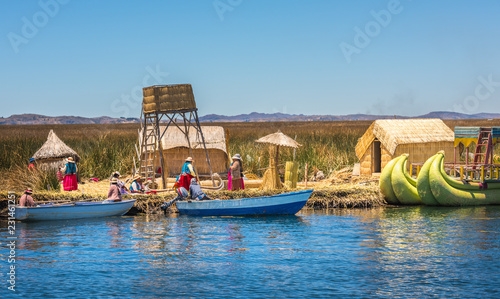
(495,132)
(467,132)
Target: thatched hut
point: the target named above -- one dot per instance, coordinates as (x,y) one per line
(175,149)
(386,139)
(271,179)
(53,152)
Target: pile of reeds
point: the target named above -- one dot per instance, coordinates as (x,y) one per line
(346,196)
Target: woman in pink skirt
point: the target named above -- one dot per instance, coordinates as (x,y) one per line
(70,182)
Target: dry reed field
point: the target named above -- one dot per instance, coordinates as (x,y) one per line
(327,146)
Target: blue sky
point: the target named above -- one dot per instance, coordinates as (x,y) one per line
(91,58)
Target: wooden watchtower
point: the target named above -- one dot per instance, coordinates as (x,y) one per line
(484,139)
(170,105)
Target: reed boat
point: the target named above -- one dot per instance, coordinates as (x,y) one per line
(405,187)
(397,186)
(385,182)
(282,204)
(450,192)
(75,210)
(423,186)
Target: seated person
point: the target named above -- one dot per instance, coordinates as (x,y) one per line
(137,186)
(195,191)
(114,193)
(120,184)
(26,200)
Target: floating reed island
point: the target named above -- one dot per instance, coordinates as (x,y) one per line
(338,196)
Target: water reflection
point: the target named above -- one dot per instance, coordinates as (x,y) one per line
(386,252)
(169,239)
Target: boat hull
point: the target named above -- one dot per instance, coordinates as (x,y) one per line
(74,210)
(283,204)
(449,192)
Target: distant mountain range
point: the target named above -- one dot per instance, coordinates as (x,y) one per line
(36,119)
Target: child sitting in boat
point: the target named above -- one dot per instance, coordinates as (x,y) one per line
(120,184)
(26,200)
(114,193)
(195,191)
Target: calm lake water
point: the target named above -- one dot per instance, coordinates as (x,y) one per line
(408,252)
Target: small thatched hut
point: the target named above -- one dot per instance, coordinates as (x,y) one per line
(175,149)
(386,139)
(53,152)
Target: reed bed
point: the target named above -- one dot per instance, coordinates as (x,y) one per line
(327,146)
(102,150)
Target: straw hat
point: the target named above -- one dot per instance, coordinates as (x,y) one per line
(116,173)
(189,159)
(70,160)
(114,181)
(28,191)
(136,177)
(237,156)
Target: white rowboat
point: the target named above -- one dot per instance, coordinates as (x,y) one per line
(75,210)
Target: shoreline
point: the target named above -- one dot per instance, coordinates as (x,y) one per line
(345,196)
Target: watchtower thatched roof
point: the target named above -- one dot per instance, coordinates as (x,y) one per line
(393,132)
(55,148)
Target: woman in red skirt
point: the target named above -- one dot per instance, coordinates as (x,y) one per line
(70,182)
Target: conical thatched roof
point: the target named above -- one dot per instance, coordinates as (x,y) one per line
(280,139)
(55,148)
(393,132)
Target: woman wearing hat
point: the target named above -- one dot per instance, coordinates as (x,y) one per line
(114,193)
(70,182)
(235,171)
(137,186)
(26,200)
(187,173)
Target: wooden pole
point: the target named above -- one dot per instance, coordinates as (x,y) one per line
(467,156)
(205,147)
(186,133)
(305,173)
(160,149)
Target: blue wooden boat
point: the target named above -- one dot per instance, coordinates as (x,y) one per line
(76,210)
(282,204)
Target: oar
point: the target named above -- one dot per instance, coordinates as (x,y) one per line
(166,205)
(53,201)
